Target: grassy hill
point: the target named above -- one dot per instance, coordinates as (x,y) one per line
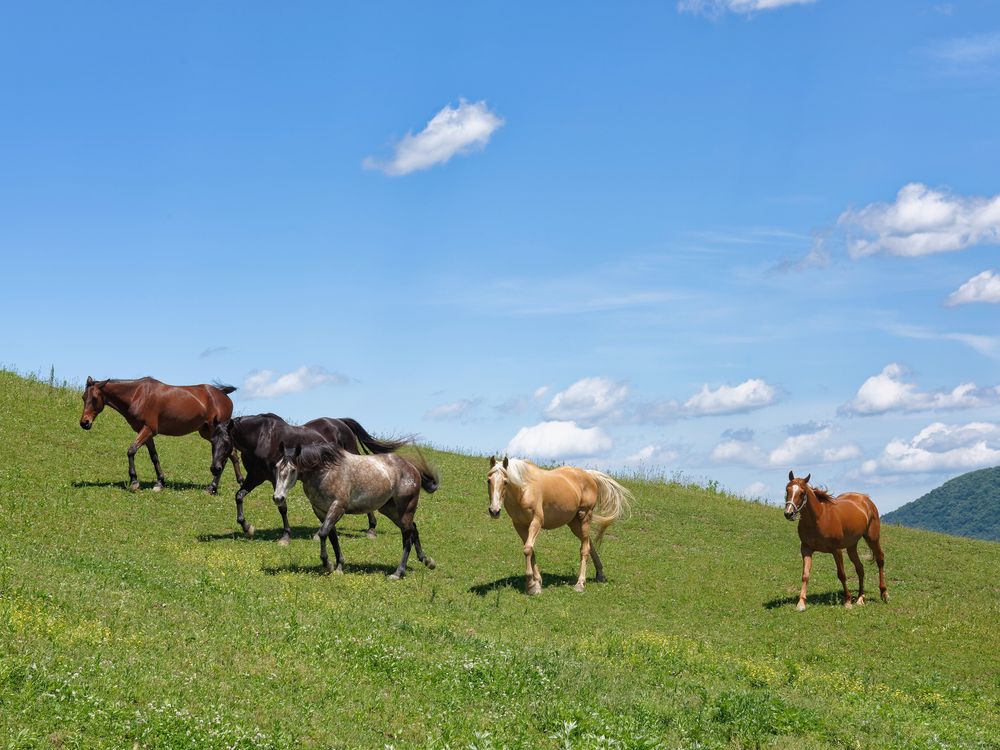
(968,505)
(144,620)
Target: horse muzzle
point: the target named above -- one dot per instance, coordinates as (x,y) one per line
(494,513)
(86,424)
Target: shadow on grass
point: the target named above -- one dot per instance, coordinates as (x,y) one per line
(273,535)
(828,598)
(517,582)
(319,570)
(123,485)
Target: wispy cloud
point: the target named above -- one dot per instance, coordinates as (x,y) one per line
(454,130)
(268,383)
(654,455)
(557,439)
(888,392)
(453,410)
(968,53)
(799,448)
(983,287)
(988,346)
(520,404)
(212,350)
(716,8)
(922,221)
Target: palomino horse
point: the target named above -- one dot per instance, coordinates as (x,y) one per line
(537,499)
(154,408)
(831,524)
(257,439)
(337,482)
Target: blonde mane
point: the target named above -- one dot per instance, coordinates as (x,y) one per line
(519,471)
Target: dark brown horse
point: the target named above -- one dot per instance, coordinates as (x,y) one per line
(257,439)
(832,524)
(153,408)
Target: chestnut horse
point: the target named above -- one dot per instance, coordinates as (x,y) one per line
(831,524)
(154,408)
(538,499)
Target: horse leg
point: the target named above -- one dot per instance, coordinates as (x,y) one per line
(155,458)
(581,527)
(236,466)
(329,529)
(852,552)
(425,559)
(144,434)
(286,530)
(252,481)
(807,561)
(532,575)
(406,527)
(873,539)
(597,564)
(838,555)
(371,526)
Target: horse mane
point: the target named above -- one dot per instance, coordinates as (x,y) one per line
(519,471)
(322,455)
(822,494)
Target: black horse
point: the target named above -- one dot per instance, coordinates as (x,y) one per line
(257,439)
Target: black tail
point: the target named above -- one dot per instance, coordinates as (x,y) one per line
(428,476)
(223,387)
(369,443)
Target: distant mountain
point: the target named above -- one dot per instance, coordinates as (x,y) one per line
(968,505)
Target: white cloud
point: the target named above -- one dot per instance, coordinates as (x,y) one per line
(940,448)
(554,440)
(756,489)
(968,51)
(653,454)
(715,8)
(268,384)
(541,391)
(453,410)
(521,403)
(800,448)
(453,130)
(922,221)
(888,392)
(983,287)
(588,399)
(988,346)
(748,395)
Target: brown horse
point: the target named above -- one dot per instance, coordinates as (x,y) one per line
(154,408)
(831,524)
(538,499)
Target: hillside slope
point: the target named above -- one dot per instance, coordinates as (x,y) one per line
(968,505)
(143,619)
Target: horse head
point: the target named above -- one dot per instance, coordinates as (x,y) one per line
(222,444)
(286,471)
(496,479)
(93,402)
(796,493)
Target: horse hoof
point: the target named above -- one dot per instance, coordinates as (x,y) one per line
(283,542)
(578,588)
(316,537)
(370,533)
(429,562)
(601,579)
(533,590)
(249,531)
(885,596)
(134,487)
(327,567)
(339,570)
(157,487)
(848,605)
(801,607)
(395,577)
(211,491)
(860,602)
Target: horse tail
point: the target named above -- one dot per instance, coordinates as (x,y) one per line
(613,502)
(429,479)
(372,445)
(227,389)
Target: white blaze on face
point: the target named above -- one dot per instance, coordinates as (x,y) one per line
(497,480)
(790,505)
(284,479)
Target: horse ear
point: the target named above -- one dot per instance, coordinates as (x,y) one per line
(791,475)
(505,462)
(215,421)
(493,461)
(808,477)
(90,380)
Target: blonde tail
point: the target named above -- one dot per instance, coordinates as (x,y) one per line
(613,502)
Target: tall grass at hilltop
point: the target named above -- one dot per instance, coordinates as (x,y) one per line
(145,620)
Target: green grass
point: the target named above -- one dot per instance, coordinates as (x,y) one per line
(144,620)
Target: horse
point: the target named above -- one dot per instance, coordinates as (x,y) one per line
(153,408)
(338,482)
(257,439)
(831,524)
(538,499)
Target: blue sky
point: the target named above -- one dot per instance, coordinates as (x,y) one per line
(728,238)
